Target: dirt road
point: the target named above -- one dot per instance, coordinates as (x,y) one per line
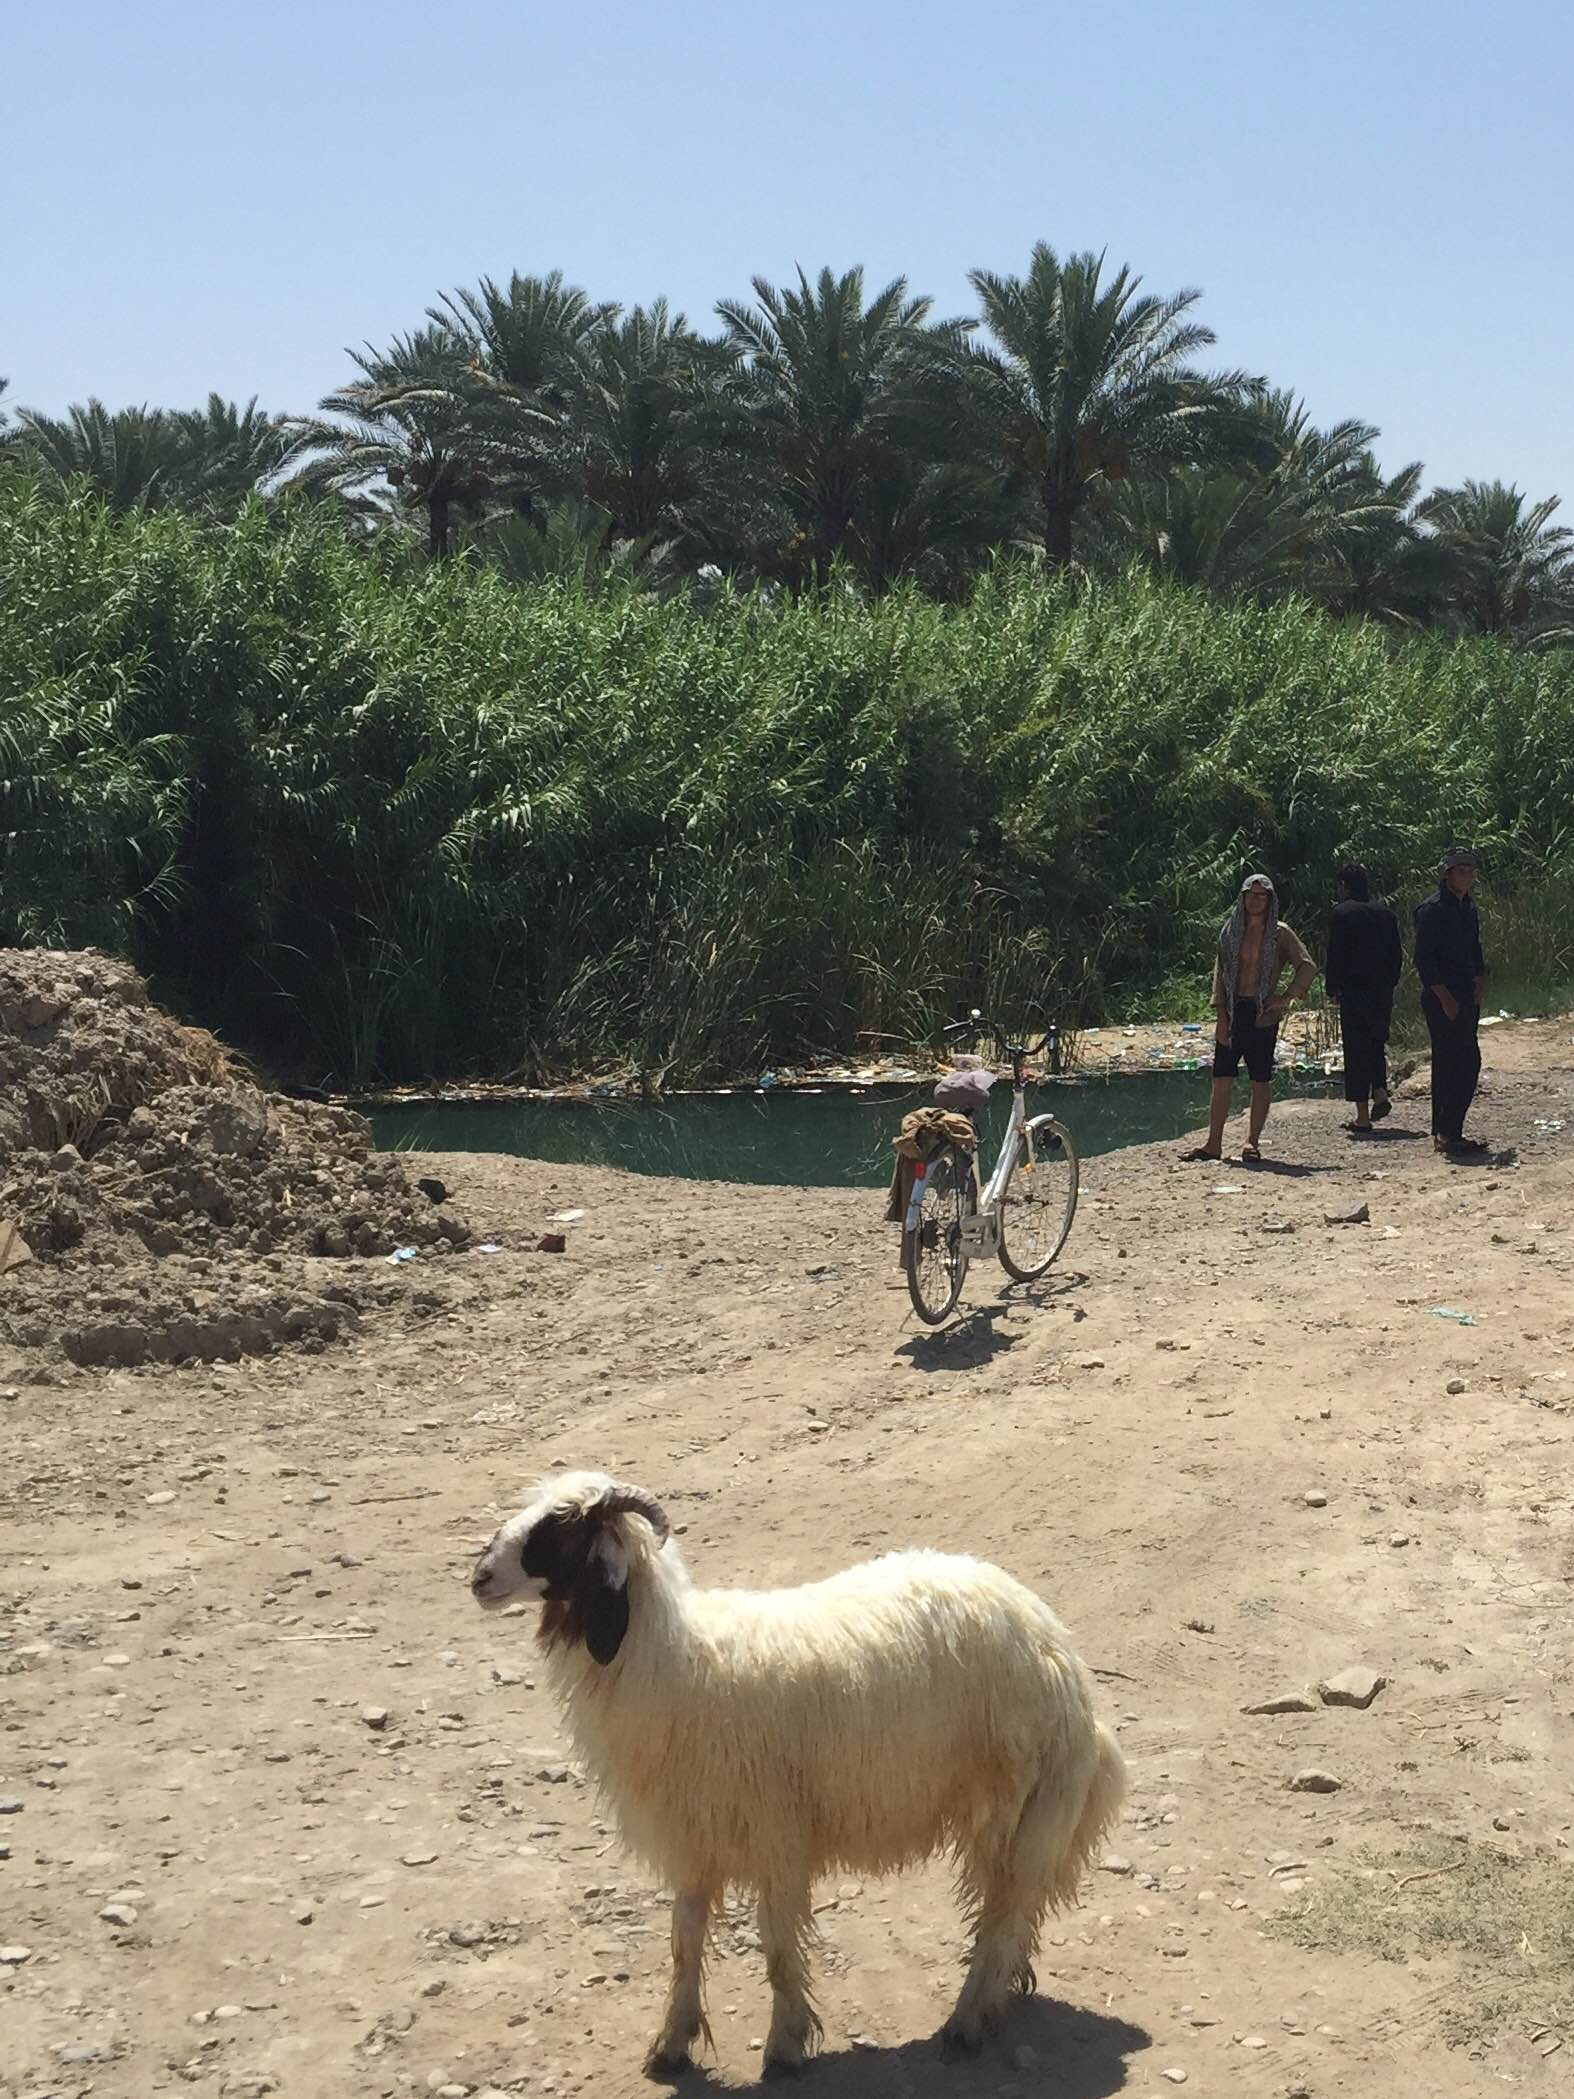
(284,1812)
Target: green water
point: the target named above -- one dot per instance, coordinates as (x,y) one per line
(819,1140)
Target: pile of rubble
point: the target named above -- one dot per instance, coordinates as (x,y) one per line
(157,1204)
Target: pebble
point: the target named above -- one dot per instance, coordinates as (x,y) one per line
(304,1914)
(375,1717)
(554,1774)
(1455,1386)
(1090,1363)
(10,1807)
(471,1934)
(117,1661)
(1315,1498)
(419,1858)
(1313,1781)
(1174,2076)
(160,1500)
(14,1956)
(1399,1539)
(1285,1702)
(1355,1687)
(1115,1864)
(120,1913)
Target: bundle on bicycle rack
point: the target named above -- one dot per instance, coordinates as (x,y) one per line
(923,1136)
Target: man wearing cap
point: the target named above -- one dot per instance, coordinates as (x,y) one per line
(1255,949)
(1453,975)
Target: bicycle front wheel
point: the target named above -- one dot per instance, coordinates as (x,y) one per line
(1040,1200)
(932,1250)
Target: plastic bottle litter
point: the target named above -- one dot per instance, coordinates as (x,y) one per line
(489,1246)
(402,1253)
(1448,1312)
(566,1217)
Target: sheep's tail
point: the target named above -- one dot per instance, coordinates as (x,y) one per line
(1099,1810)
(1060,1835)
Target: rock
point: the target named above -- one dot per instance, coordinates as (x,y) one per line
(1115,1864)
(419,1858)
(1313,1781)
(375,1717)
(1399,1539)
(1284,1702)
(554,1774)
(120,1913)
(434,1190)
(472,1933)
(228,2011)
(1498,1822)
(1360,1215)
(1274,1224)
(434,1988)
(1357,1687)
(1455,1386)
(14,1956)
(160,1500)
(1090,1362)
(1315,1498)
(1173,2076)
(304,1913)
(10,1807)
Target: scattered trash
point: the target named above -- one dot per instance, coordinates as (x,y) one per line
(566,1217)
(14,1249)
(1360,1215)
(1549,1122)
(489,1246)
(552,1243)
(1229,1188)
(402,1253)
(1448,1312)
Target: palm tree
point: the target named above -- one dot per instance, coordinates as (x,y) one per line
(130,455)
(631,388)
(1087,384)
(419,423)
(821,396)
(1214,528)
(1513,569)
(206,460)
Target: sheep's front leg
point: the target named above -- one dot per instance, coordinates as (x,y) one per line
(685,2017)
(786,1930)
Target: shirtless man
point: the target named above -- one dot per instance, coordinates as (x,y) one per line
(1255,949)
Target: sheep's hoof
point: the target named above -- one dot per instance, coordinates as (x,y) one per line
(961,2037)
(664,2063)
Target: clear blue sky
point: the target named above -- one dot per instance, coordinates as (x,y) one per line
(1374,196)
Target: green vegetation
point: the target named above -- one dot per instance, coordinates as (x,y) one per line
(379,817)
(1503,1919)
(576,690)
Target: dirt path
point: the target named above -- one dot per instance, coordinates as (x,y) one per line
(1222,1442)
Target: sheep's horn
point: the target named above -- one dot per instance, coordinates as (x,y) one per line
(634,1501)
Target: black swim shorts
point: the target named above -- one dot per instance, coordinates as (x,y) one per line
(1249,1042)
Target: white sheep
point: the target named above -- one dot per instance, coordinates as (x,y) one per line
(914,1704)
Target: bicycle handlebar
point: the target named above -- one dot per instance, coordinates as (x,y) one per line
(979,1024)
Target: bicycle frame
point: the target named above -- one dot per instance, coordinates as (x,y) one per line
(981,1231)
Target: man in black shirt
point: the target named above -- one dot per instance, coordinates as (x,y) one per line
(1453,975)
(1364,964)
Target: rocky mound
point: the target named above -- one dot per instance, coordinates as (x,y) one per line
(170,1206)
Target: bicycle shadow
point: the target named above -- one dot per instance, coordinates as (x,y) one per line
(967,1343)
(1083,2051)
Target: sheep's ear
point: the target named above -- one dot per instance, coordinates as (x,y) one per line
(606,1608)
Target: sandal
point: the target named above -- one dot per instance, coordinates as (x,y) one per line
(1251,1155)
(1381,1108)
(1202,1152)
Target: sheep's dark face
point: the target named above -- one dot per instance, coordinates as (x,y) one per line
(568,1554)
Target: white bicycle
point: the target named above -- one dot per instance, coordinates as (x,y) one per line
(1023,1213)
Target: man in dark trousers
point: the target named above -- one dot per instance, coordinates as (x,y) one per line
(1364,963)
(1453,975)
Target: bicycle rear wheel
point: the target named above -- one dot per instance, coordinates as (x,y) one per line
(932,1251)
(1040,1200)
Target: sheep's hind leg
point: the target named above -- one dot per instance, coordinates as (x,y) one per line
(685,2016)
(1004,1885)
(786,1930)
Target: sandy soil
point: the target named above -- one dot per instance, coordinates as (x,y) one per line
(1221,1441)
